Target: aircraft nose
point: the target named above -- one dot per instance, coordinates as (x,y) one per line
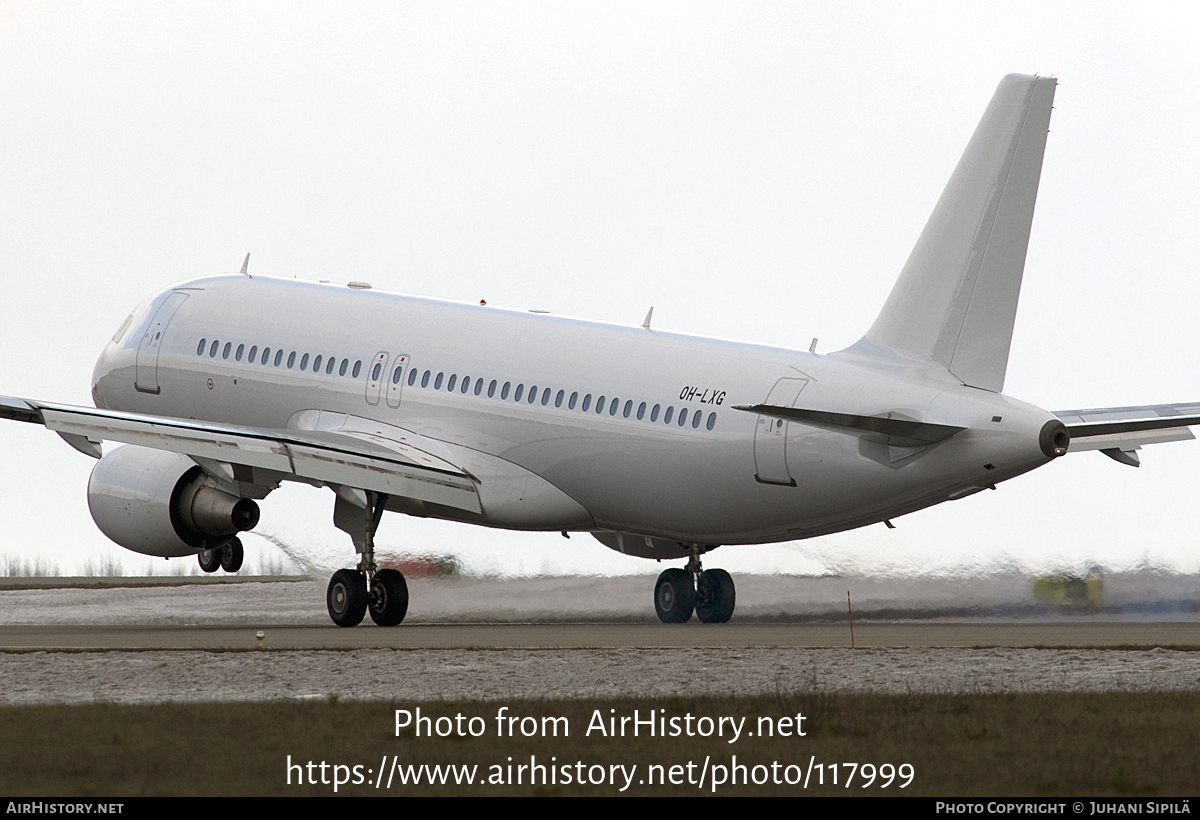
(100,372)
(107,376)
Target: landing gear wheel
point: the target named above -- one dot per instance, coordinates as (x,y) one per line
(674,596)
(714,596)
(210,560)
(389,598)
(232,555)
(347,597)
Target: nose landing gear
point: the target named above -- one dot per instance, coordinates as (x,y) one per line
(228,557)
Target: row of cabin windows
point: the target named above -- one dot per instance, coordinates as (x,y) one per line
(545,395)
(265,358)
(464,385)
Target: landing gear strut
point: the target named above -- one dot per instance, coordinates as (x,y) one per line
(352,593)
(710,593)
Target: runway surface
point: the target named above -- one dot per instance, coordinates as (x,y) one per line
(136,640)
(867,635)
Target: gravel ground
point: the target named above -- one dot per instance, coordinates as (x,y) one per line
(451,674)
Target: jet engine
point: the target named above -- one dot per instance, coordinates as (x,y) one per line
(161,503)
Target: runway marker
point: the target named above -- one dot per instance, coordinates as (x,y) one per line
(851,611)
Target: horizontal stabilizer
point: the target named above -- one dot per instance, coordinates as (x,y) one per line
(1107,421)
(1119,431)
(918,431)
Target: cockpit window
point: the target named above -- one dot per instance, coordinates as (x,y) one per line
(120,334)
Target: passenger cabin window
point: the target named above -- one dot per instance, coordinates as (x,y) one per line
(200,348)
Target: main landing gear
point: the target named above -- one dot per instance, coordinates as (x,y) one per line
(228,557)
(679,592)
(352,593)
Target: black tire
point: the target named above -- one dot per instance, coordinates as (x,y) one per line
(674,596)
(210,560)
(714,596)
(232,555)
(347,597)
(389,598)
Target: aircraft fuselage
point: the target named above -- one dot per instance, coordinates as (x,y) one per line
(569,424)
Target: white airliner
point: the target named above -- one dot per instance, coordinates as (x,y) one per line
(662,445)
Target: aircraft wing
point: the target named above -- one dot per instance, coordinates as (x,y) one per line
(1119,431)
(356,459)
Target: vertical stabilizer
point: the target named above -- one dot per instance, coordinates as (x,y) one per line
(956,299)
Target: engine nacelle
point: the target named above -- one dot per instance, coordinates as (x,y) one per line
(160,503)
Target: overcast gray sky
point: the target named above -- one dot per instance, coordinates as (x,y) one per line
(753,170)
